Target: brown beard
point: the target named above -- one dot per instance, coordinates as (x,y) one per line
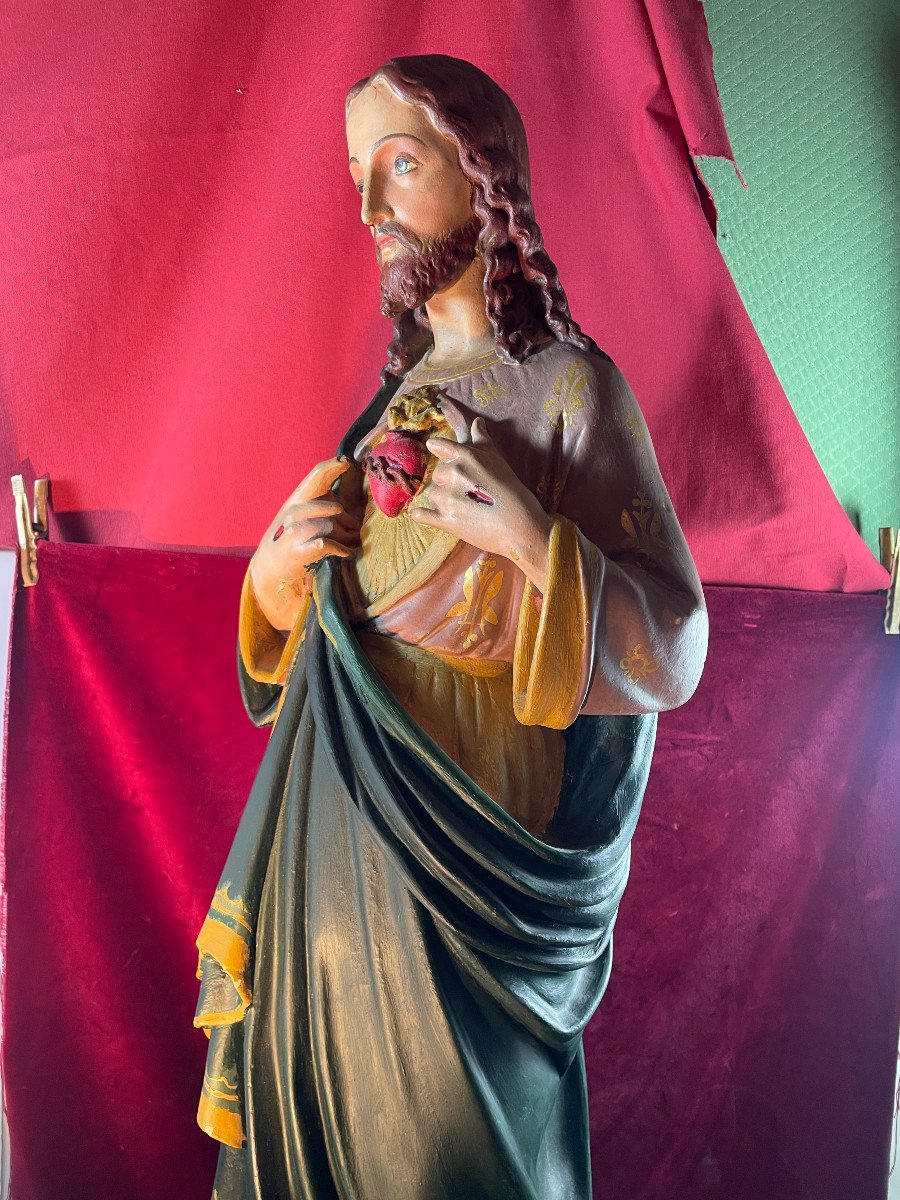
(411,278)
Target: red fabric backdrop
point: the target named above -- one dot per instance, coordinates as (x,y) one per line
(189,314)
(746,1047)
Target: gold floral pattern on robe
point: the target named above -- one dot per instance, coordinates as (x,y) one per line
(634,423)
(643,525)
(638,663)
(489,393)
(567,394)
(481,583)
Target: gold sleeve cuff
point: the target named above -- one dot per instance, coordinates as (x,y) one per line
(265,652)
(552,637)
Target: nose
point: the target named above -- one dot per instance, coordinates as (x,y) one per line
(375,207)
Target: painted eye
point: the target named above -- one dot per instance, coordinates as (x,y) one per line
(404,165)
(360,186)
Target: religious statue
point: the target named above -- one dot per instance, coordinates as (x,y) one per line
(461,629)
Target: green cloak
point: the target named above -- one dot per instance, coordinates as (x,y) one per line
(401,973)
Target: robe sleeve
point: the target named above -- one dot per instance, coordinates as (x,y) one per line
(265,655)
(621,626)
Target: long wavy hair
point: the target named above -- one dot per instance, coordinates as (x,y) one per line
(523,297)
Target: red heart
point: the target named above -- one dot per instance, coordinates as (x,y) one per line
(395,467)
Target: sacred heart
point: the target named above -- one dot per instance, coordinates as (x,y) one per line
(396,467)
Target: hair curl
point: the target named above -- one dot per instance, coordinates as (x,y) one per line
(524,299)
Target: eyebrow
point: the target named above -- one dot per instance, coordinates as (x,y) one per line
(387,137)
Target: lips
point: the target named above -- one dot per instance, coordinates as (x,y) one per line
(395,467)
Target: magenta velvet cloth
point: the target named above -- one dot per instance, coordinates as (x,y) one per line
(184,267)
(746,1046)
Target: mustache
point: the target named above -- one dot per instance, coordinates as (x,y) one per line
(394,229)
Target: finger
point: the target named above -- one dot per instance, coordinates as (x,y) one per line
(348,534)
(427,516)
(318,510)
(306,532)
(324,507)
(319,480)
(444,475)
(333,535)
(480,435)
(442,448)
(349,522)
(326,546)
(424,498)
(456,418)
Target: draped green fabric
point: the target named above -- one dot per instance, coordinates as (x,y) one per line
(422,967)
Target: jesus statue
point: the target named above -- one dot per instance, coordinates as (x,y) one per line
(461,629)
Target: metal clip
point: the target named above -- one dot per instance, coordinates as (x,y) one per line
(31,527)
(889,553)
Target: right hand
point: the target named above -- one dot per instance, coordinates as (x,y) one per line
(316,524)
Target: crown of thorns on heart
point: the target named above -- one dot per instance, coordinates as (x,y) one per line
(419,411)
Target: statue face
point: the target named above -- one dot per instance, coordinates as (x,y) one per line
(407,173)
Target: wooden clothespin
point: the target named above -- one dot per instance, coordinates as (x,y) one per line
(889,553)
(30,526)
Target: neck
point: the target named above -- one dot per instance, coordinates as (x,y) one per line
(458,320)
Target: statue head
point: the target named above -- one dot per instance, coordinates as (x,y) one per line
(452,187)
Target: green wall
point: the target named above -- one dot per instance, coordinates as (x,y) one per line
(811,95)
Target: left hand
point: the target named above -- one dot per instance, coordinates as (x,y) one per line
(474,494)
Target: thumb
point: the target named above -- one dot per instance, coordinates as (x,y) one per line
(319,480)
(480,435)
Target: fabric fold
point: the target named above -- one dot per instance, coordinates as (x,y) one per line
(266,652)
(386,938)
(525,921)
(550,661)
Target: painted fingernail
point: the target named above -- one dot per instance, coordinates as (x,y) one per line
(278,532)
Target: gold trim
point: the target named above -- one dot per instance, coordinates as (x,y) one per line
(548,660)
(384,541)
(436,554)
(232,954)
(226,1081)
(260,643)
(318,601)
(482,668)
(231,907)
(221,1124)
(422,373)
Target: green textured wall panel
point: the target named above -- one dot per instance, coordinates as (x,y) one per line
(811,96)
